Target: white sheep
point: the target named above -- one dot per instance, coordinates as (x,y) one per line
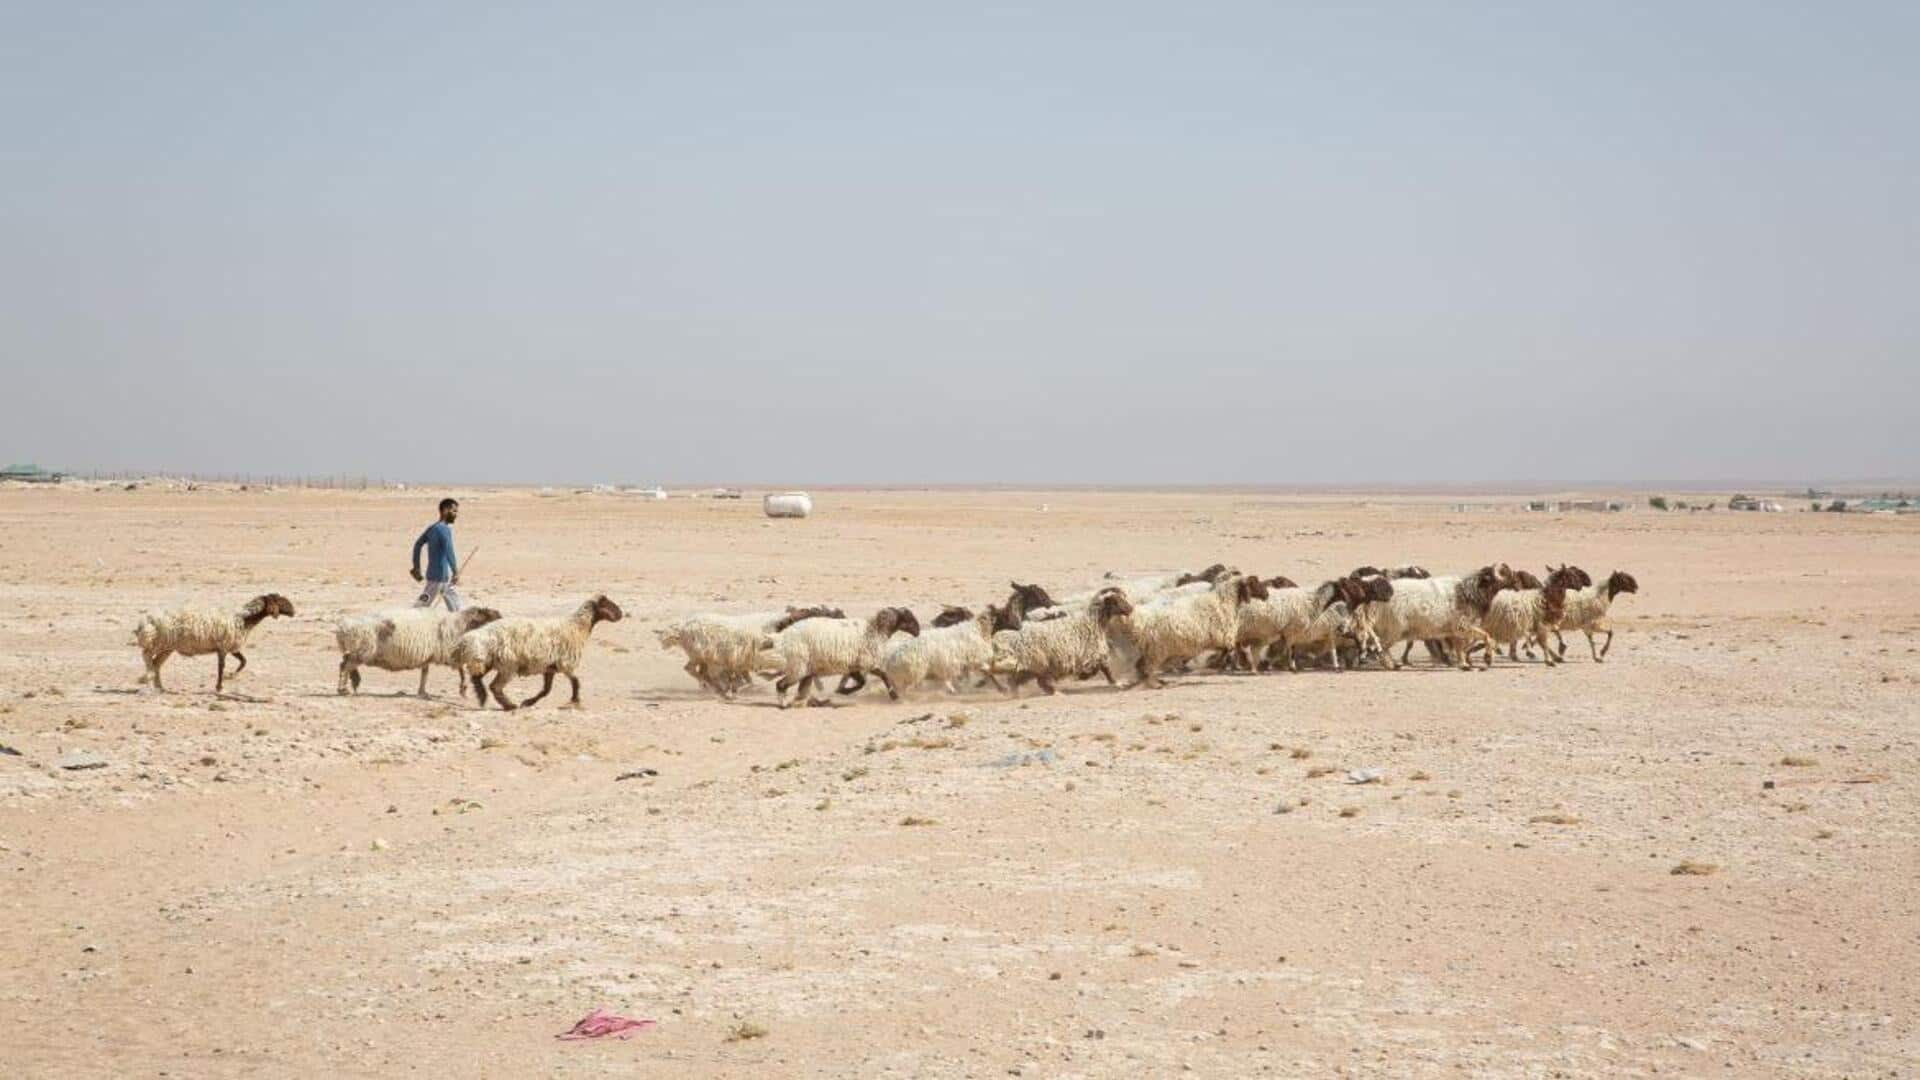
(1287,617)
(197,631)
(1587,609)
(802,653)
(1528,609)
(1443,609)
(1185,626)
(402,640)
(1071,646)
(721,649)
(523,646)
(957,644)
(1325,634)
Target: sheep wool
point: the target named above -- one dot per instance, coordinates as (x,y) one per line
(802,653)
(523,646)
(944,653)
(1069,646)
(1587,610)
(402,640)
(199,630)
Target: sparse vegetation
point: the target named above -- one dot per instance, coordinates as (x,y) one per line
(1315,772)
(1798,761)
(911,821)
(1658,502)
(744,1030)
(854,773)
(1690,868)
(1553,819)
(1300,753)
(1349,811)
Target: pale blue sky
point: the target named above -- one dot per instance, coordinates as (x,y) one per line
(893,243)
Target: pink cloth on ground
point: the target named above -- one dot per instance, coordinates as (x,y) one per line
(600,1022)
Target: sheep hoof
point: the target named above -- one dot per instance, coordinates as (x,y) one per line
(574,705)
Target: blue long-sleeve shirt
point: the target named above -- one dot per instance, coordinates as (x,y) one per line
(438,540)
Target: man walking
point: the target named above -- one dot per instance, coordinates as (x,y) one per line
(443,571)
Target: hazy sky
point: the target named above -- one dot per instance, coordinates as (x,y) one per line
(1100,242)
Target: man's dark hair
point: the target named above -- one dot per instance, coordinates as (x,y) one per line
(444,503)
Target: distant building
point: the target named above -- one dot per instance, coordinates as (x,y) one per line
(30,474)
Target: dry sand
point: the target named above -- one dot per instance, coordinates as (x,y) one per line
(284,882)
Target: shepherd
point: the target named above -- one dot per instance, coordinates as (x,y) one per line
(443,570)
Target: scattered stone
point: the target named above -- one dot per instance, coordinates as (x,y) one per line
(8,750)
(78,760)
(379,844)
(637,774)
(1365,776)
(1038,757)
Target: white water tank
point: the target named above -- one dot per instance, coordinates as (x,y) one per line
(788,504)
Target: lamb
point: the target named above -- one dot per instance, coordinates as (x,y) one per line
(1071,645)
(1441,609)
(197,631)
(959,644)
(815,646)
(1186,626)
(1287,617)
(1526,613)
(1587,610)
(721,649)
(522,646)
(1325,634)
(403,640)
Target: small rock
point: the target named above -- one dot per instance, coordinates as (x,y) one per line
(637,774)
(79,759)
(1365,776)
(379,844)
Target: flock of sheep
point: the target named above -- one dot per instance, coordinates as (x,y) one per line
(476,642)
(1153,625)
(1218,617)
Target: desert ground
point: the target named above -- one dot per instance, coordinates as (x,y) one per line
(280,881)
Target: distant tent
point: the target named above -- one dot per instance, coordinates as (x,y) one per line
(29,474)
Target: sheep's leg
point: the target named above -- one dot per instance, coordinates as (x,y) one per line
(893,694)
(573,702)
(1562,642)
(1546,654)
(1590,647)
(356,680)
(816,702)
(546,687)
(480,687)
(346,666)
(499,688)
(1046,683)
(242,657)
(153,670)
(220,672)
(1609,645)
(1144,673)
(1406,654)
(422,692)
(991,681)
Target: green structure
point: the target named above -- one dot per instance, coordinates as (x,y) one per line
(29,474)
